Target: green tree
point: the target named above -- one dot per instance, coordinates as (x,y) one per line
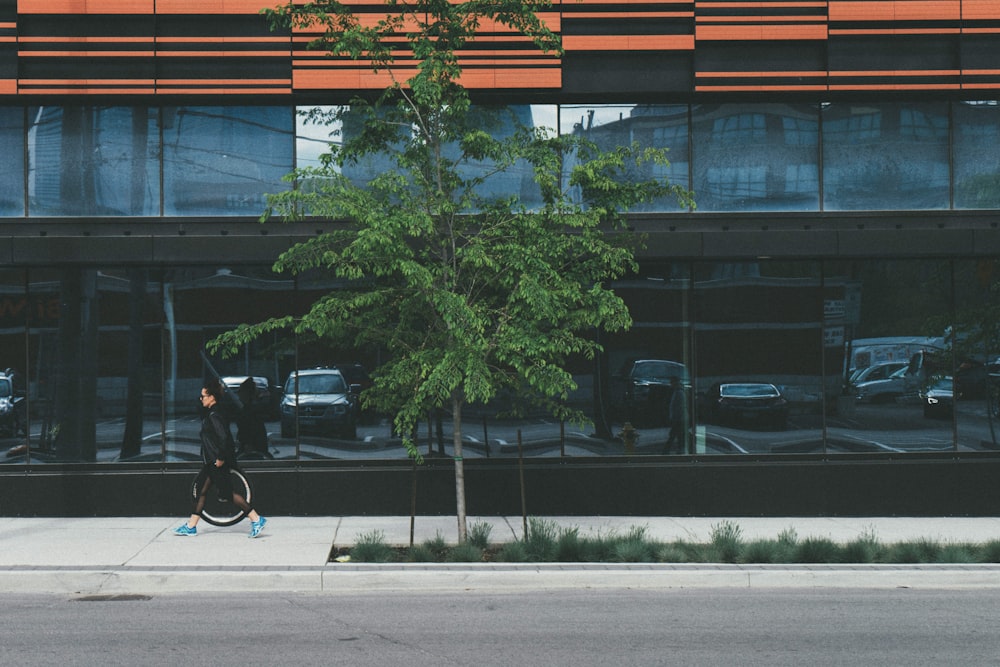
(470,294)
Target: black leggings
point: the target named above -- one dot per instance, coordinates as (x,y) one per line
(219,477)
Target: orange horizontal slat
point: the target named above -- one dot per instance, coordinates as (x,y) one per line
(88,82)
(222,40)
(611,16)
(226,82)
(213,6)
(68,39)
(980,10)
(627,42)
(84,91)
(528,78)
(221,53)
(861,10)
(762,75)
(895,86)
(894,72)
(222,91)
(637,3)
(8,86)
(85,6)
(85,53)
(756,19)
(761,88)
(928,10)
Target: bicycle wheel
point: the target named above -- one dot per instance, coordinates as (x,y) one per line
(223,512)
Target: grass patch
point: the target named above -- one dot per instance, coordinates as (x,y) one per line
(548,542)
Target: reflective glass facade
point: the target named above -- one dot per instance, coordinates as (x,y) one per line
(95,352)
(816,353)
(753,157)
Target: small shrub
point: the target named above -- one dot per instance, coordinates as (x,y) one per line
(727,540)
(479,534)
(464,553)
(371,548)
(569,547)
(817,550)
(598,549)
(989,552)
(761,551)
(420,553)
(513,552)
(437,546)
(864,549)
(634,551)
(671,553)
(788,537)
(956,553)
(540,542)
(919,551)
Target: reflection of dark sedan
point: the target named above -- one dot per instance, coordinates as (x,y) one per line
(642,389)
(938,398)
(746,403)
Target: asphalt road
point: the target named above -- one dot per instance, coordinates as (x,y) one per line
(580,628)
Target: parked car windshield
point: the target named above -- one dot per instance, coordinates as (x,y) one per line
(747,390)
(318,384)
(658,369)
(5,388)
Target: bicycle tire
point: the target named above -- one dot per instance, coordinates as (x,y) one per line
(224,512)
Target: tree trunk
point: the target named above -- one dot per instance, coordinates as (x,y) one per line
(456,413)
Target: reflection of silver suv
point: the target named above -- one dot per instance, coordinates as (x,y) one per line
(326,404)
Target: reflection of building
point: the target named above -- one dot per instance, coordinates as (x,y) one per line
(843,163)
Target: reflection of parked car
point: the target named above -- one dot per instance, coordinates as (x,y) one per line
(746,402)
(939,398)
(354,374)
(268,400)
(641,390)
(878,371)
(12,416)
(886,390)
(326,403)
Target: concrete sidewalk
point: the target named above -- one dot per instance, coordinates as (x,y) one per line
(108,556)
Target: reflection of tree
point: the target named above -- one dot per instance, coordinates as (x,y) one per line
(975,326)
(980,191)
(75,400)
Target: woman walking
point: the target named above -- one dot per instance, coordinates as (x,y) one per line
(218,454)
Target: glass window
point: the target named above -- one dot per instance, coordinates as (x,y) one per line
(224,160)
(756,157)
(659,126)
(892,332)
(93,161)
(885,156)
(12,148)
(758,363)
(971,395)
(317,128)
(643,368)
(977,163)
(14,371)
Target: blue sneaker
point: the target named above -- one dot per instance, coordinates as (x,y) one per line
(257,526)
(186,530)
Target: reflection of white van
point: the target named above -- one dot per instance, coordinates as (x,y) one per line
(863,352)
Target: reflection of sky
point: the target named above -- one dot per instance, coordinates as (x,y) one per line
(312,139)
(572,114)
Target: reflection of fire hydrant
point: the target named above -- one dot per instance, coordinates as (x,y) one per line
(629,435)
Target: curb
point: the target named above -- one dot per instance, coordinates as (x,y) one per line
(495,578)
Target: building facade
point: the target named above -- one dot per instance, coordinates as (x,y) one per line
(842,156)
